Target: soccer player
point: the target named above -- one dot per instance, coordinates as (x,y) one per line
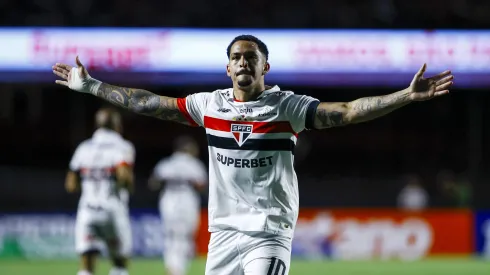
(101,168)
(251,130)
(184,177)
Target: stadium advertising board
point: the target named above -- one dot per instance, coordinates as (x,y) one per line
(52,235)
(313,57)
(37,236)
(383,234)
(337,234)
(482,233)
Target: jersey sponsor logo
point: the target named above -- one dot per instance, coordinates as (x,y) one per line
(270,113)
(278,93)
(241,132)
(245,110)
(244,163)
(224,110)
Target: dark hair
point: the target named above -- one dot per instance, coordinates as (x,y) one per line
(109,118)
(246,37)
(181,142)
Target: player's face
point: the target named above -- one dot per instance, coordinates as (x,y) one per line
(247,65)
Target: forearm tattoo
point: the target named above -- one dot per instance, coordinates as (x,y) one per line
(360,110)
(142,102)
(379,105)
(329,119)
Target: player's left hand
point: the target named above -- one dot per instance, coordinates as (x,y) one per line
(423,88)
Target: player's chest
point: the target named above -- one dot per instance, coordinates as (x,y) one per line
(244,123)
(237,111)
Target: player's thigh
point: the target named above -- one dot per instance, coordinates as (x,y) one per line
(185,219)
(85,240)
(268,256)
(223,257)
(179,234)
(119,240)
(87,233)
(179,241)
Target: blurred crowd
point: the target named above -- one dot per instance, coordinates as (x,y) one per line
(431,143)
(249,13)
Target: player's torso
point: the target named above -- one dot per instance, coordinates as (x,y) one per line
(250,156)
(180,190)
(97,174)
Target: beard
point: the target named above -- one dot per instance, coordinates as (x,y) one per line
(244,80)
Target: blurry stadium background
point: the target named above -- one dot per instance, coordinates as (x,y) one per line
(404,194)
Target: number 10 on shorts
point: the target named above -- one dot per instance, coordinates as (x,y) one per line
(277,267)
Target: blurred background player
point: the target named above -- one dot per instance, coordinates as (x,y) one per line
(413,196)
(101,168)
(183,176)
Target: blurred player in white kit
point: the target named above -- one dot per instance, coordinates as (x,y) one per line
(183,176)
(101,168)
(252,131)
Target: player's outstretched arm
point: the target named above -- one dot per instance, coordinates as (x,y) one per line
(136,100)
(368,108)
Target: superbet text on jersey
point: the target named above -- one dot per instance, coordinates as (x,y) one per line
(252,183)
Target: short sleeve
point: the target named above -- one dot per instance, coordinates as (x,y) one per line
(76,159)
(193,107)
(125,155)
(163,170)
(300,110)
(200,174)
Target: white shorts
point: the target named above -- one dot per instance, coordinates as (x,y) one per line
(180,220)
(180,212)
(96,229)
(232,252)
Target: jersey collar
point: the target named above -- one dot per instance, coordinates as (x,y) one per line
(105,134)
(272,89)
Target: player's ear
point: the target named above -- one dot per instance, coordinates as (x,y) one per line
(267,68)
(228,71)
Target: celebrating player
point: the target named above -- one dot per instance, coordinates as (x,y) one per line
(102,169)
(252,130)
(183,176)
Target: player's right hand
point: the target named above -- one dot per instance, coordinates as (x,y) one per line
(75,78)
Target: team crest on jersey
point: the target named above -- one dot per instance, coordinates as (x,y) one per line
(241,132)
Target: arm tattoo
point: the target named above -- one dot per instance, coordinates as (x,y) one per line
(142,102)
(368,108)
(329,119)
(360,110)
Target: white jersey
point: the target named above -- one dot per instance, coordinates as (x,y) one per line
(180,207)
(96,160)
(252,182)
(180,171)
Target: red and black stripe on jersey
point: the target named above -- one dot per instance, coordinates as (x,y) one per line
(259,144)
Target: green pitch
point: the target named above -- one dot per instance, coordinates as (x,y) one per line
(447,266)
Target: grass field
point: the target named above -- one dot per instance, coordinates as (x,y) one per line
(446,266)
